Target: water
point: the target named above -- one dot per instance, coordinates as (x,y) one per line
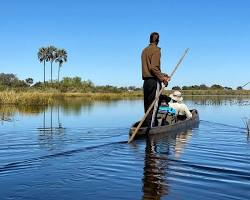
(78,150)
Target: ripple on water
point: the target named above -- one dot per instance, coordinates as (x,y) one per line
(208,162)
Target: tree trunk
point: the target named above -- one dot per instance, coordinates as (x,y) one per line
(44,71)
(51,71)
(58,75)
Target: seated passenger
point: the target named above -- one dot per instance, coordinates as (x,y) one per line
(165,114)
(163,105)
(182,110)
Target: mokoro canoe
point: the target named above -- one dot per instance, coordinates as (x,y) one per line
(178,126)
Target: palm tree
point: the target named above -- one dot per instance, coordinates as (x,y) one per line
(43,57)
(61,57)
(51,57)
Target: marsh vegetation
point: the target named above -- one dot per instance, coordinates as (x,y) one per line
(21,92)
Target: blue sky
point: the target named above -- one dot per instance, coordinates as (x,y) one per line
(104,39)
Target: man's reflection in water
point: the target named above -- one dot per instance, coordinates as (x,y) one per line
(157,152)
(155,165)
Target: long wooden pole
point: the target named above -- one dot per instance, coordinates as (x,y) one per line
(245,84)
(156,98)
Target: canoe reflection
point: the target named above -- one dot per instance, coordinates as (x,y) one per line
(158,150)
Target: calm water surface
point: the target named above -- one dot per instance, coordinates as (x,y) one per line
(78,150)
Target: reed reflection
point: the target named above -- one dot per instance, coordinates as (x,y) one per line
(64,106)
(216,100)
(5,117)
(77,105)
(8,113)
(158,150)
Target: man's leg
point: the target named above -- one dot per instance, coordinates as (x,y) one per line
(155,108)
(149,91)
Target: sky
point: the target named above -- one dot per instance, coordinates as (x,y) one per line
(104,39)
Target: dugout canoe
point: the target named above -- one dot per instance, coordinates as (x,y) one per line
(176,127)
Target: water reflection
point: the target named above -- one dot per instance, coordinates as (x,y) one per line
(51,135)
(219,100)
(76,105)
(156,163)
(246,121)
(155,169)
(8,112)
(180,141)
(58,127)
(5,117)
(68,105)
(24,109)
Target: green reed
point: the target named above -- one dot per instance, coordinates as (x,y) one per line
(49,98)
(25,98)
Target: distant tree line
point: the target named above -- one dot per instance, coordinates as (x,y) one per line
(76,84)
(205,87)
(67,84)
(11,81)
(52,54)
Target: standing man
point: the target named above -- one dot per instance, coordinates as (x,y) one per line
(152,76)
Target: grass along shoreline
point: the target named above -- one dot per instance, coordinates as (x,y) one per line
(49,98)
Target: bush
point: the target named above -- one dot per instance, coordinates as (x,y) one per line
(176,88)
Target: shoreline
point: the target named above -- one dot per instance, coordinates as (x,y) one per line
(49,98)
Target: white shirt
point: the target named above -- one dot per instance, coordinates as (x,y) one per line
(181,109)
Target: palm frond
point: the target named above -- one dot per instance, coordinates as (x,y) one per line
(61,56)
(51,52)
(42,54)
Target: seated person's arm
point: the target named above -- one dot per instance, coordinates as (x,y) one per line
(187,111)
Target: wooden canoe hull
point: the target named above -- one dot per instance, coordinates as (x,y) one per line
(178,126)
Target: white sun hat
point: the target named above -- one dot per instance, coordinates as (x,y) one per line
(176,95)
